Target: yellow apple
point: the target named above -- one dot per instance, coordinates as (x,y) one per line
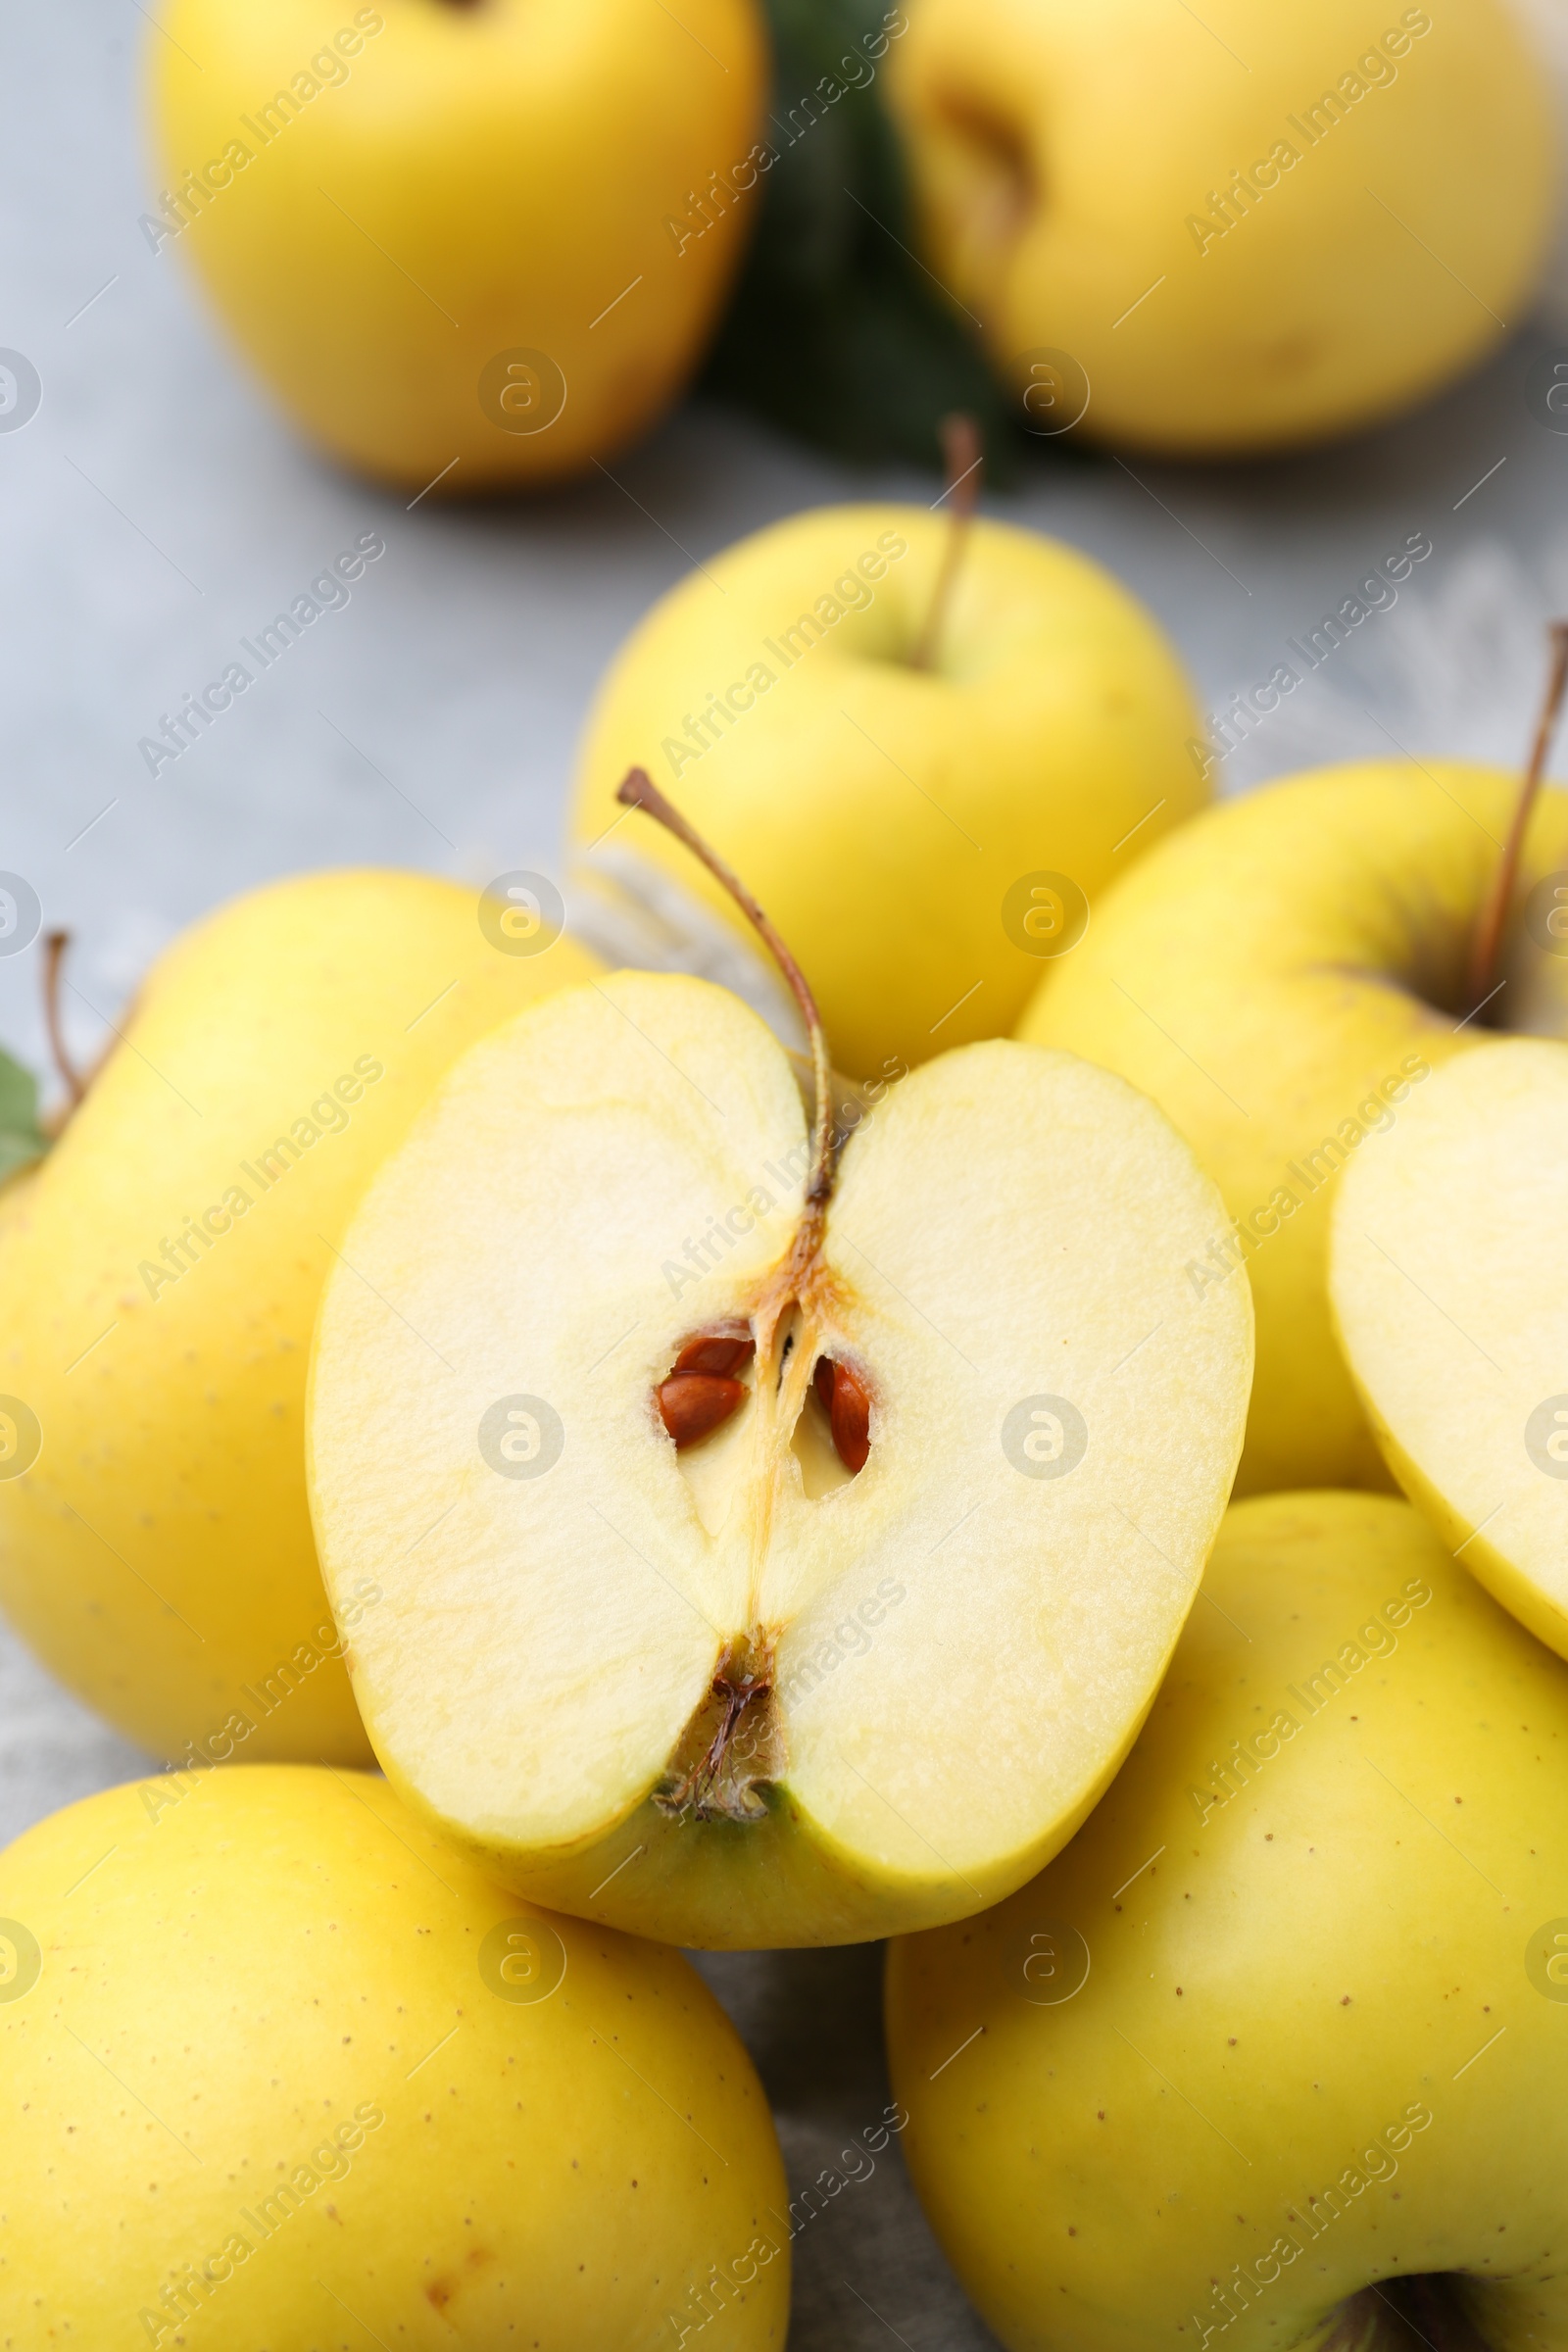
(1448,1279)
(926,839)
(282,2070)
(159,1281)
(1285,2024)
(1278,975)
(1230,228)
(485,242)
(752,1683)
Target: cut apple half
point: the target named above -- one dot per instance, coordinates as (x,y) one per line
(1448,1276)
(862,1656)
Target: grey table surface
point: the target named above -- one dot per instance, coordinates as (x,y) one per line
(155,510)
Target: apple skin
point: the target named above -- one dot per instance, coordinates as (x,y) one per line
(882,813)
(485,179)
(1060,155)
(1261,973)
(158,1555)
(239,1965)
(773,1886)
(1280,1981)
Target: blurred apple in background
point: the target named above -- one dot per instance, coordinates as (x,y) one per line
(925,821)
(482,236)
(1246,228)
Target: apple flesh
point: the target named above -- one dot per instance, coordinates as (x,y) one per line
(743,1692)
(1283,2027)
(282,2068)
(909,830)
(1282,976)
(1227,230)
(1448,1276)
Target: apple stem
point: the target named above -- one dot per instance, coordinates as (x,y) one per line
(1489,930)
(639,791)
(54,950)
(964,460)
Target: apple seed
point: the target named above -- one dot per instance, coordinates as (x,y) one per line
(844,1399)
(692,1404)
(723,1353)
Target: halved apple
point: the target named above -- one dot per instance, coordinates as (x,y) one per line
(1448,1277)
(727,1688)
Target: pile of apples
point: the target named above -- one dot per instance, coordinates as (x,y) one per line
(480,244)
(1009,1392)
(741,1506)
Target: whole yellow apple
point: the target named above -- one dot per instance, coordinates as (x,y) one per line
(481,242)
(1278,975)
(926,838)
(282,2070)
(1226,229)
(159,1280)
(1283,2029)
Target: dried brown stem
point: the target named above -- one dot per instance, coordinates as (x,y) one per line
(639,791)
(54,948)
(731,1742)
(964,460)
(1495,914)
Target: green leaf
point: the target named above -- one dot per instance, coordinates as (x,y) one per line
(836,333)
(21,1139)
